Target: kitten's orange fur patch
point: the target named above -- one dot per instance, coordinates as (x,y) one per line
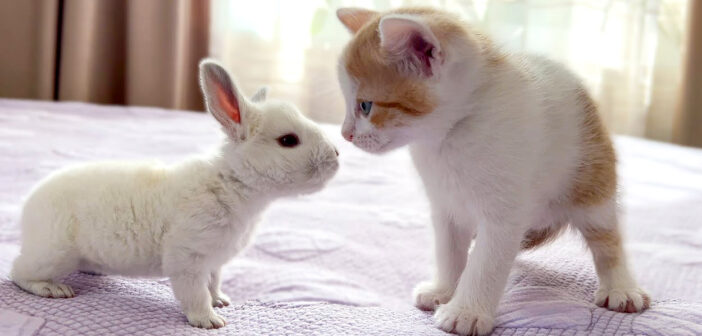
(534,238)
(606,245)
(381,118)
(493,58)
(398,106)
(354,18)
(594,182)
(596,176)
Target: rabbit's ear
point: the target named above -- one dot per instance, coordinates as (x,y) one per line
(223,99)
(260,95)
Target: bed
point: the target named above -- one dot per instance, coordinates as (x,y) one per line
(345,260)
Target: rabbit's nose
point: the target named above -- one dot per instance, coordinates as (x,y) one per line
(336,151)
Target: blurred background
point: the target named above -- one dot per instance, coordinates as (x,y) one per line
(640,58)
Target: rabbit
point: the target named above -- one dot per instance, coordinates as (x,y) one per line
(181,221)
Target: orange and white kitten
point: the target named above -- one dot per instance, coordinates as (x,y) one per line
(510,149)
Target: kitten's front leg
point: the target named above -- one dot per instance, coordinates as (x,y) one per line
(471,309)
(192,292)
(451,250)
(219,299)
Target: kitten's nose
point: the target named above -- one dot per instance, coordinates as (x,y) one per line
(347,129)
(336,151)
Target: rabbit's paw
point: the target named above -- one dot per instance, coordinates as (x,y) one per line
(427,295)
(220,300)
(47,289)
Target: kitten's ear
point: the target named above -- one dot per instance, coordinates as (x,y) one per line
(223,99)
(410,42)
(355,18)
(260,95)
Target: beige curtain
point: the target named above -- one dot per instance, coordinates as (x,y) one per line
(688,125)
(109,51)
(28,48)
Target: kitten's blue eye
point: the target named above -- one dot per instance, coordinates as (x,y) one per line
(365,107)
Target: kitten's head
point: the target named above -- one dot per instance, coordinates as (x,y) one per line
(390,74)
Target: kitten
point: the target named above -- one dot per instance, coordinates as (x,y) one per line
(510,149)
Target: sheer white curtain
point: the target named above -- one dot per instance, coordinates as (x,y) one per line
(627,51)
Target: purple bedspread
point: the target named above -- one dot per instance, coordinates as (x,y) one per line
(344,261)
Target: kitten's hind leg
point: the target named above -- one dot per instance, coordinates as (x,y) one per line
(37,272)
(618,290)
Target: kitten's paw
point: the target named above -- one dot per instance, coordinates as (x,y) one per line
(208,321)
(463,320)
(623,300)
(427,295)
(220,300)
(47,289)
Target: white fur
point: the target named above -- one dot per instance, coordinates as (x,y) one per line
(182,221)
(496,155)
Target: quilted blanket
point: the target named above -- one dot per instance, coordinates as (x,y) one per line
(344,261)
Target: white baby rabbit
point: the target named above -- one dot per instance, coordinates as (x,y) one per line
(183,221)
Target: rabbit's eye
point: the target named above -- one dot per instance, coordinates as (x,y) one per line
(365,107)
(289,140)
